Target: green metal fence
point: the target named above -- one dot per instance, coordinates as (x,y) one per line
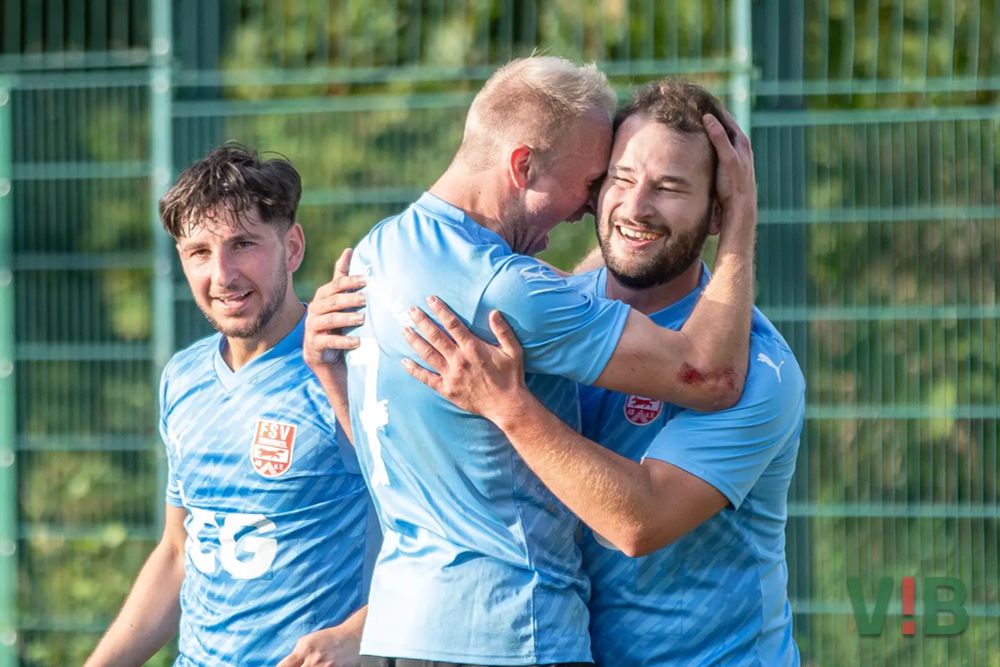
(876,128)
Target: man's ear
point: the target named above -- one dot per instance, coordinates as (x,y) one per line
(295,247)
(519,166)
(715,223)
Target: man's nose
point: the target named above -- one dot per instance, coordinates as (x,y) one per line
(223,269)
(636,203)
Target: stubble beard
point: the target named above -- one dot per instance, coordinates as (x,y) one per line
(253,329)
(674,258)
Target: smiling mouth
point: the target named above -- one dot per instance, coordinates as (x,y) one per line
(232,301)
(634,235)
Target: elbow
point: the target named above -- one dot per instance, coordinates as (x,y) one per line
(714,389)
(641,541)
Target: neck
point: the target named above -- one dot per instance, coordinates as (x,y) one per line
(477,195)
(650,300)
(238,352)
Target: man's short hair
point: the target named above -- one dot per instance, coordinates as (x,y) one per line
(679,105)
(532,101)
(236,179)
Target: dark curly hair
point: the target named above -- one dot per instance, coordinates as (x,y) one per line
(232,178)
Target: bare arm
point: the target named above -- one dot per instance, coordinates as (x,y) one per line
(323,345)
(702,366)
(151,612)
(593,260)
(338,646)
(638,507)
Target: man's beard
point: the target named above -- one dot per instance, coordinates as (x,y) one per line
(678,253)
(253,329)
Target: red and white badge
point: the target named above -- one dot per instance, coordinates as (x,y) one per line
(272,448)
(642,411)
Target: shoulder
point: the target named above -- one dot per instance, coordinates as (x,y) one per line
(518,276)
(586,283)
(774,377)
(193,359)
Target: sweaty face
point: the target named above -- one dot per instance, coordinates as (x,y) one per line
(239,277)
(655,207)
(562,186)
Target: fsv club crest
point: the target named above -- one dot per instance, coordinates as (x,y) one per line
(272,448)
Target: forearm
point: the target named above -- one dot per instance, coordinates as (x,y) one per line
(719,326)
(150,615)
(610,493)
(593,260)
(355,623)
(333,378)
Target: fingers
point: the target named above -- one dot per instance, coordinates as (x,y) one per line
(720,140)
(432,380)
(452,324)
(425,350)
(292,660)
(343,265)
(338,303)
(340,285)
(505,335)
(432,332)
(333,341)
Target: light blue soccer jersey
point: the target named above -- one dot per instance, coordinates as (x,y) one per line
(718,595)
(277,507)
(478,562)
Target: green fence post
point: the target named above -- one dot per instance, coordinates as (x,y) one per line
(8,427)
(160,153)
(739,81)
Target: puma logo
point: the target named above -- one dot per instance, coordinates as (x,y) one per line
(764,359)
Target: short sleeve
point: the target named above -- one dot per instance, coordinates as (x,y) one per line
(730,449)
(173,492)
(563,329)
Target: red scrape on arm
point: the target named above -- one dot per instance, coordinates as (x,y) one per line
(690,375)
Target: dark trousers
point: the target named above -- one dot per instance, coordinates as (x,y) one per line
(371,661)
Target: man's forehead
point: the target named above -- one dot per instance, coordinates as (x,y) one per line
(222,222)
(641,134)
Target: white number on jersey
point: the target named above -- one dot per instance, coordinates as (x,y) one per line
(374,413)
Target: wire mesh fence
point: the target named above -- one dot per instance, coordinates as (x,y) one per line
(876,130)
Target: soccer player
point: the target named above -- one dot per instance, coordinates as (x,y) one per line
(260,562)
(479,564)
(686,509)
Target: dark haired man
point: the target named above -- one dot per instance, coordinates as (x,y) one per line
(267,513)
(685,510)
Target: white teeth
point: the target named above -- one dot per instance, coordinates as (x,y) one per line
(637,235)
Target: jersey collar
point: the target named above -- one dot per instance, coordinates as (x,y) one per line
(678,311)
(442,210)
(231,379)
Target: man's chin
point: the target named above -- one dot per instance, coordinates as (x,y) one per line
(237,328)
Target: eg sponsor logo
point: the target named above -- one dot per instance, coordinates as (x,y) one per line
(943,606)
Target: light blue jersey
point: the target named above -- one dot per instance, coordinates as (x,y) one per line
(718,595)
(479,562)
(277,508)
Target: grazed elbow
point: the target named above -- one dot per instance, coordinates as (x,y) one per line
(712,389)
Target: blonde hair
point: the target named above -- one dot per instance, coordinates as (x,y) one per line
(531,101)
